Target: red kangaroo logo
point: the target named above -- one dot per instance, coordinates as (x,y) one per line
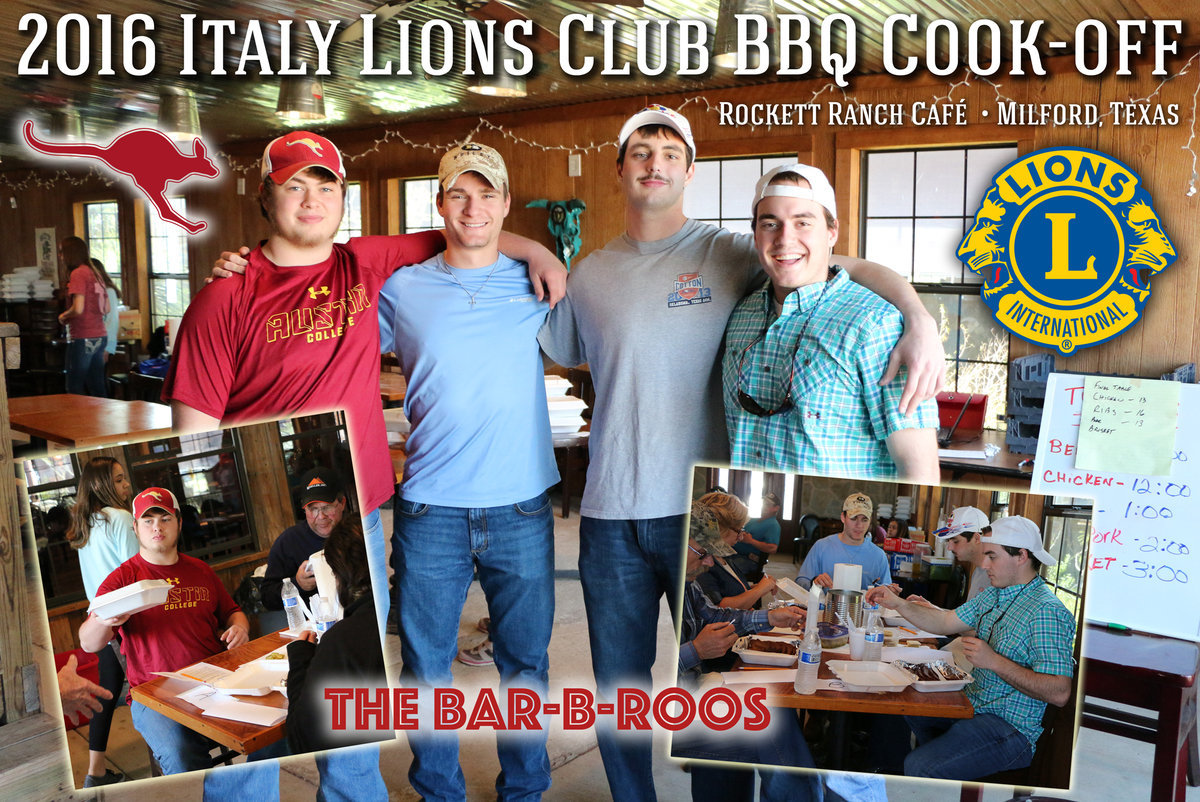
(147,156)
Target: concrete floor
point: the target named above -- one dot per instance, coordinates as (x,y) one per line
(1107,767)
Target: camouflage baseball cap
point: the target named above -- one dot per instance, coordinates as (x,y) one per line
(470,157)
(704,529)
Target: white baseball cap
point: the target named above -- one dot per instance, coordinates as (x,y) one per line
(1020,533)
(819,189)
(658,115)
(963,519)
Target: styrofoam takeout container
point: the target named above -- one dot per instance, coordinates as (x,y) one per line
(131,599)
(742,649)
(870,676)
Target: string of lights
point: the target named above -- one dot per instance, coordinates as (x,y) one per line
(36,179)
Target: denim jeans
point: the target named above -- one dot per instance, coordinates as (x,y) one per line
(176,748)
(435,552)
(377,562)
(347,775)
(965,749)
(780,744)
(625,567)
(85,367)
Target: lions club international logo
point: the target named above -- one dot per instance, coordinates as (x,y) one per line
(1066,241)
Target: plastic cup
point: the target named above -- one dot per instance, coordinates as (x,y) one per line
(857,642)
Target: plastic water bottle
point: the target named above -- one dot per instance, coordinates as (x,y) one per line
(809,663)
(291,606)
(324,618)
(873,640)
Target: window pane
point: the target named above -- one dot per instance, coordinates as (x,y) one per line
(103,237)
(702,200)
(890,242)
(939,189)
(935,244)
(982,165)
(738,178)
(420,205)
(890,189)
(352,218)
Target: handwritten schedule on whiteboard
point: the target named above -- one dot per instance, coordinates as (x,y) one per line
(1144,565)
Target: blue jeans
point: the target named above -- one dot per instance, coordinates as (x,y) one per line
(436,551)
(377,562)
(625,567)
(347,775)
(85,367)
(780,744)
(965,749)
(176,748)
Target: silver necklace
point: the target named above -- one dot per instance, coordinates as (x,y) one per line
(472,295)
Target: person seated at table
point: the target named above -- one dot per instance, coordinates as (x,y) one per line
(960,533)
(725,585)
(848,546)
(1022,659)
(348,654)
(708,631)
(324,502)
(759,539)
(198,620)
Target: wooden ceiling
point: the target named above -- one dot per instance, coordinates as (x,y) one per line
(242,107)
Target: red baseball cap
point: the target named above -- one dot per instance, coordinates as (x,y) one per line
(289,154)
(153,497)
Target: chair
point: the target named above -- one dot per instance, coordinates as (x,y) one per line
(809,526)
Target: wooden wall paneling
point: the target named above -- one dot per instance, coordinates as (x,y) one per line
(269,504)
(1166,337)
(18,672)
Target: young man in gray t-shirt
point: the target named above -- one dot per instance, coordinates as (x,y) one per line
(647,312)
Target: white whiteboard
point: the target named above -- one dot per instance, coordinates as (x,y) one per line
(1144,565)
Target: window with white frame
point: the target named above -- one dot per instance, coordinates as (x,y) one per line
(170,288)
(102,231)
(420,204)
(916,206)
(721,189)
(352,217)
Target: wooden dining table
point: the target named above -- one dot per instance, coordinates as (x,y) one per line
(80,421)
(161,694)
(908,702)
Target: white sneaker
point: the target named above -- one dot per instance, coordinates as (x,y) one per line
(479,655)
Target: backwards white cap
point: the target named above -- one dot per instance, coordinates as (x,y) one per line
(819,189)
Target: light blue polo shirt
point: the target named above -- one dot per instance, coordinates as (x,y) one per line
(476,394)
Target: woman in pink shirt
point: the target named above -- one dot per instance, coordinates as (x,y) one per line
(88,289)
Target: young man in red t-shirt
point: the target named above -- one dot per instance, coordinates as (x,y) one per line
(299,332)
(198,620)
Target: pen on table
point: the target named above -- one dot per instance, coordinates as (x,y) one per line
(1025,463)
(1120,629)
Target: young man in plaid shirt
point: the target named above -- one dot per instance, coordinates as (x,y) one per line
(804,353)
(1021,653)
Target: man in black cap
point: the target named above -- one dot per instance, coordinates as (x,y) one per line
(324,501)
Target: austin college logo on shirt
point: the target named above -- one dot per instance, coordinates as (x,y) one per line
(1066,241)
(689,289)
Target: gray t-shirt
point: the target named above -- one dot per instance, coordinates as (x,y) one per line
(648,318)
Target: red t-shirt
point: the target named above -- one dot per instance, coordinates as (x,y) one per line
(183,631)
(282,341)
(90,323)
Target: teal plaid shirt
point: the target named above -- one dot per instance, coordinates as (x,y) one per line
(1031,627)
(841,417)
